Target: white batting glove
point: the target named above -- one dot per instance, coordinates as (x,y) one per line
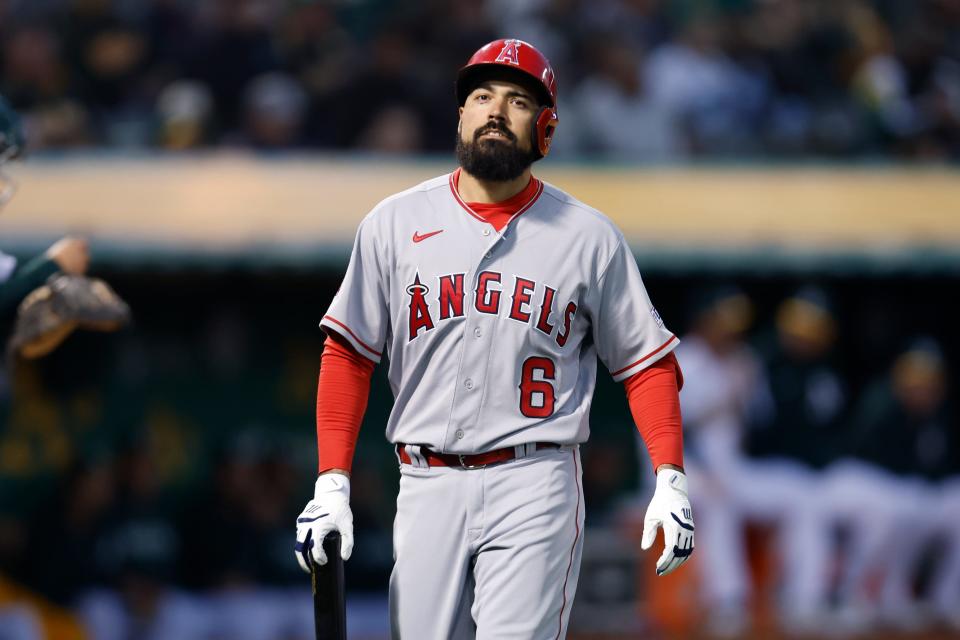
(328,511)
(669,508)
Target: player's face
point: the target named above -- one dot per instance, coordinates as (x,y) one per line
(494,141)
(498,112)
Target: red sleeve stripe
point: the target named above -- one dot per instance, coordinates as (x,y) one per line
(646,357)
(353,335)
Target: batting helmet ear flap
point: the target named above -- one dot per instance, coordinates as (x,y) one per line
(543,127)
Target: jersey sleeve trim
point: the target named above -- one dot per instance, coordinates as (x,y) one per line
(361,346)
(626,371)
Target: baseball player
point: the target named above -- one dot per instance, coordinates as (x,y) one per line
(492,294)
(69,255)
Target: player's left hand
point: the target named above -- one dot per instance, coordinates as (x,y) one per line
(670,509)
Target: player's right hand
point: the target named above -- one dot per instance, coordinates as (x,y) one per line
(72,255)
(328,511)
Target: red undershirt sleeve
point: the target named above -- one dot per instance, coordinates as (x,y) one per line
(342,394)
(654,398)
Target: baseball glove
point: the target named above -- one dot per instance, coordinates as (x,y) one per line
(66,302)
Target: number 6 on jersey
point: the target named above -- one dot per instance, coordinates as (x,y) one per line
(537,397)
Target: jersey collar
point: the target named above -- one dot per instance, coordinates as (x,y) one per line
(454,178)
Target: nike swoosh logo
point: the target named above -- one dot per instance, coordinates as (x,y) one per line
(420,238)
(302,520)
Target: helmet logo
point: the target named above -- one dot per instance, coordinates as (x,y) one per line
(510,53)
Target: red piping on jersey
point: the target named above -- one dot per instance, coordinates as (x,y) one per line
(454,178)
(576,523)
(646,357)
(354,336)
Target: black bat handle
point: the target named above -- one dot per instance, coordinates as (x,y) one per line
(329,603)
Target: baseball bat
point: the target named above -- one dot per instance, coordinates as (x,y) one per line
(329,603)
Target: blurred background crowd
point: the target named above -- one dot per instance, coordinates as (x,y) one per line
(857,478)
(149,480)
(694,78)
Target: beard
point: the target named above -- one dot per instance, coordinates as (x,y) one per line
(493,160)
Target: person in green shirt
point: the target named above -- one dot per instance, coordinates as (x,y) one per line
(68,255)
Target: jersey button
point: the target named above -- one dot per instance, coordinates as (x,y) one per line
(477,332)
(468,383)
(459,434)
(486,232)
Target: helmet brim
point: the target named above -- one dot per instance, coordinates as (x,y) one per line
(469,77)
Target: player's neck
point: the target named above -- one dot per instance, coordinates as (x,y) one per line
(473,190)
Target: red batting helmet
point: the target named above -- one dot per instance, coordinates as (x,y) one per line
(523,59)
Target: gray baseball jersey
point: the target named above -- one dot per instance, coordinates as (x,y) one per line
(493,337)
